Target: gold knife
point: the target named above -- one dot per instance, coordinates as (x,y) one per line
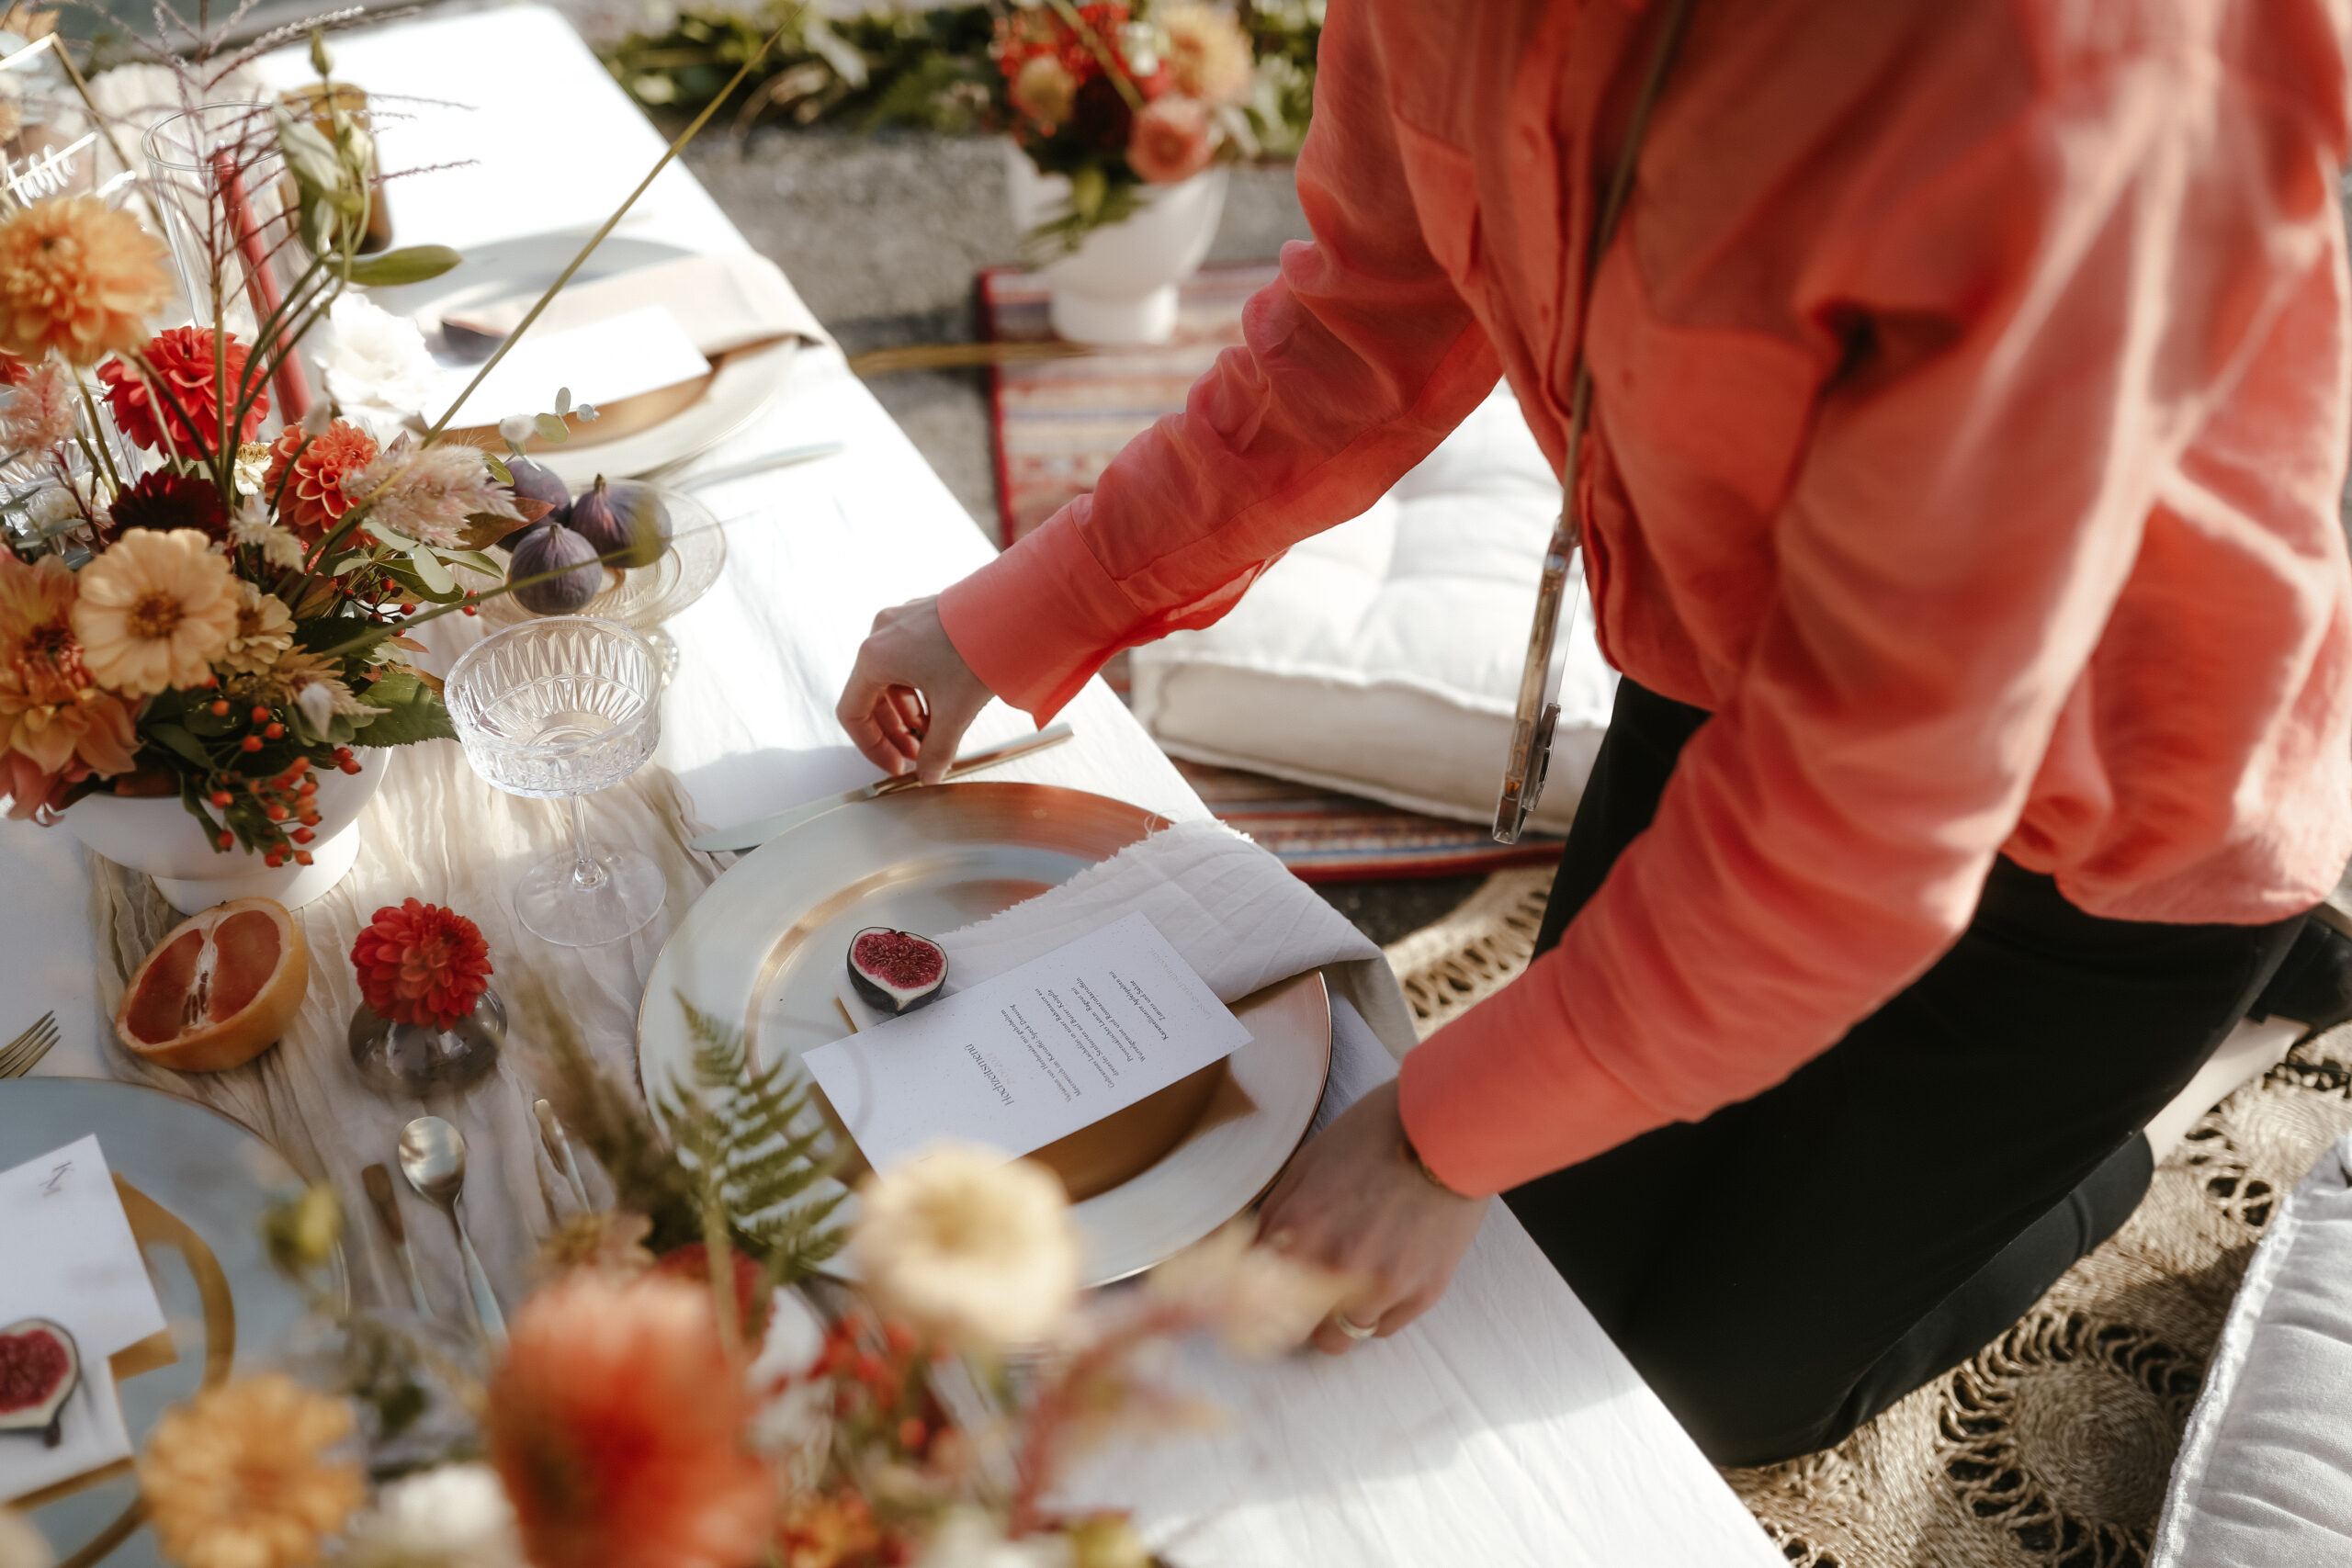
(750,835)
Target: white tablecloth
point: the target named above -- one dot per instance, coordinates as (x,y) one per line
(1504,1428)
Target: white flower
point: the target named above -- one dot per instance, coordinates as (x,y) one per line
(316,687)
(54,507)
(795,1423)
(976,1250)
(251,525)
(252,470)
(970,1539)
(427,492)
(39,415)
(1259,1301)
(376,362)
(457,1517)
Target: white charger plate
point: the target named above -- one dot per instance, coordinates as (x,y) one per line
(765,941)
(742,385)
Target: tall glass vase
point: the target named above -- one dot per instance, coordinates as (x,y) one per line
(220,184)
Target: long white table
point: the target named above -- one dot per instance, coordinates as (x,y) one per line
(1502,1429)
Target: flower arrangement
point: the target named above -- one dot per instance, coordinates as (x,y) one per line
(679,1403)
(192,603)
(211,577)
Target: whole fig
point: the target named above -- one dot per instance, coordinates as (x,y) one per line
(626,521)
(548,546)
(533,482)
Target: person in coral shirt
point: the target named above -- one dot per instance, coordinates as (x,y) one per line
(1960,507)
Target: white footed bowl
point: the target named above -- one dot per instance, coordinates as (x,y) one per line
(157,836)
(1119,286)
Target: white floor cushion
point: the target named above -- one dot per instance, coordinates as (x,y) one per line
(2264,1479)
(1382,657)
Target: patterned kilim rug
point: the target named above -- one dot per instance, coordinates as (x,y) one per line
(2050,1448)
(1057,423)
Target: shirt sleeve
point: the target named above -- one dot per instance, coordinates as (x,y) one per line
(1356,362)
(2041,321)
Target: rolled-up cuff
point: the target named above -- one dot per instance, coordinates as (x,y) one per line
(1038,620)
(1508,1092)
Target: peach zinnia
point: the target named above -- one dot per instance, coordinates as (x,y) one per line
(239,1477)
(79,280)
(56,726)
(156,610)
(617,1424)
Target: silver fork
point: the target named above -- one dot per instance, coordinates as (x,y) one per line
(23,1053)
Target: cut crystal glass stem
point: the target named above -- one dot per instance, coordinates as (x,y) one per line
(585,873)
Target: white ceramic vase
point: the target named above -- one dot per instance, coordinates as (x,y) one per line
(1119,286)
(157,836)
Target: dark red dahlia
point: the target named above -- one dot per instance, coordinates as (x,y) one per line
(165,501)
(1099,116)
(422,964)
(181,360)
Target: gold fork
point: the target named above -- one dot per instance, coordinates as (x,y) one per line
(23,1053)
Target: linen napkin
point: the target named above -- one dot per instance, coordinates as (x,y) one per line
(1237,915)
(722,303)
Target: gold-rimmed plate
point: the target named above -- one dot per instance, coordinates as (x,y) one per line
(195,1186)
(765,944)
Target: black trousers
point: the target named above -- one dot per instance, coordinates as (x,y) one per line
(1785,1269)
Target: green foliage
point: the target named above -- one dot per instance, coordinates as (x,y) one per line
(413,264)
(753,1143)
(416,712)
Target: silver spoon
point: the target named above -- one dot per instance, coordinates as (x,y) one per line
(433,1158)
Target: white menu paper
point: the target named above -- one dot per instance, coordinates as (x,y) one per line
(67,1255)
(1033,1055)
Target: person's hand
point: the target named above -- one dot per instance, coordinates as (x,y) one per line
(911,696)
(1352,1201)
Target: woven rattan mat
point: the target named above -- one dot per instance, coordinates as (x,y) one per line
(2050,1448)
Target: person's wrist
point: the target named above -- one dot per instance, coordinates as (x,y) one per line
(1411,1155)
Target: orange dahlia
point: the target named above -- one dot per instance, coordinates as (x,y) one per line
(79,280)
(305,479)
(617,1424)
(421,963)
(181,362)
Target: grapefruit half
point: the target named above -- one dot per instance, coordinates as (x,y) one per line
(219,990)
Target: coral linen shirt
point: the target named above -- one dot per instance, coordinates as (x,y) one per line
(1972,411)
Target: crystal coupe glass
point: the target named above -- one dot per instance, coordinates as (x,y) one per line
(559,709)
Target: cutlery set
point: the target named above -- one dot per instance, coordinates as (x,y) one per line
(432,1155)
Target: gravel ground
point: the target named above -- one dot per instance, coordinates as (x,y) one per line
(883,236)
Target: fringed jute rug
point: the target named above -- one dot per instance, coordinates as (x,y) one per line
(2050,1448)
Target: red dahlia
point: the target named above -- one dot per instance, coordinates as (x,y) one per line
(305,481)
(181,361)
(421,963)
(163,501)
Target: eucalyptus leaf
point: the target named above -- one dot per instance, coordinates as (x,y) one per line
(411,263)
(431,572)
(563,400)
(551,427)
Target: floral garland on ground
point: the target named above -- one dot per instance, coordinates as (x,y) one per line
(1114,95)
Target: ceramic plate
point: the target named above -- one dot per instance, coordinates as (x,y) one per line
(672,426)
(765,944)
(210,1182)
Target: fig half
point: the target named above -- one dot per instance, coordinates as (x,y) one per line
(39,1369)
(896,972)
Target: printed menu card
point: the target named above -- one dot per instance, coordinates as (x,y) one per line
(67,1257)
(1033,1054)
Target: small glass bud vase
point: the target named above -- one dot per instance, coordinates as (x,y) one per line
(413,1060)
